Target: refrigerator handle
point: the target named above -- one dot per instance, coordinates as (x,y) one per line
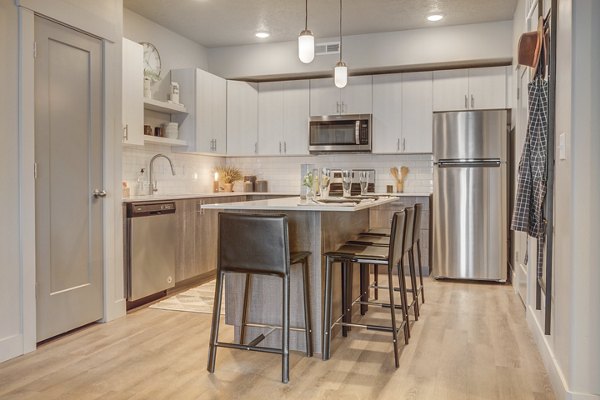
(468,164)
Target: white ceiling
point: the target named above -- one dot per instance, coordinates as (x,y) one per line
(216,23)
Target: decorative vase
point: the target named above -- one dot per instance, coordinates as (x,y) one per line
(310,194)
(228,187)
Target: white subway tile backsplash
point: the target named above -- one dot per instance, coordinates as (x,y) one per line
(194,173)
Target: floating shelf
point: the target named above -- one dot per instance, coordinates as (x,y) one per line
(163,140)
(164,106)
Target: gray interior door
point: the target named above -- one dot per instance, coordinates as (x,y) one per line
(68,152)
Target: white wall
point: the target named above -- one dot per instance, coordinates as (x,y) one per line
(476,43)
(10,299)
(175,50)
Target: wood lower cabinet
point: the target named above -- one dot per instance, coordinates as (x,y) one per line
(197,231)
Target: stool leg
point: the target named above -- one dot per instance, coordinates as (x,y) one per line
(349,298)
(364,287)
(285,332)
(393,315)
(376,281)
(245,308)
(326,339)
(307,314)
(344,297)
(402,283)
(214,328)
(420,271)
(413,283)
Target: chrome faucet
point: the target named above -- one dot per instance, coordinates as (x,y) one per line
(153,184)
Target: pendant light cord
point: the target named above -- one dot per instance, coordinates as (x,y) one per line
(341,30)
(306,16)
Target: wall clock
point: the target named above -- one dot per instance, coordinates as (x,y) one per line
(152,64)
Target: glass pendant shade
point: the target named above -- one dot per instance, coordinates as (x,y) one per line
(340,75)
(306,46)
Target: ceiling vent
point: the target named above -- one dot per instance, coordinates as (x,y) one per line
(327,48)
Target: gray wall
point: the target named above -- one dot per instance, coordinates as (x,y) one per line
(444,45)
(175,50)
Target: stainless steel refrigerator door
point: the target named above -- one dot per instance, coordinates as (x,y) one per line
(469,225)
(470,135)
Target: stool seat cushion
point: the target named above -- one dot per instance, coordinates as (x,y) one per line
(353,251)
(370,240)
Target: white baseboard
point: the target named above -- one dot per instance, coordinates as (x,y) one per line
(557,378)
(11,347)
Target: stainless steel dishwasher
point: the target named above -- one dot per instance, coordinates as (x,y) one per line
(151,248)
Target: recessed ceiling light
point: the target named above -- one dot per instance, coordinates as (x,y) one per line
(262,35)
(435,17)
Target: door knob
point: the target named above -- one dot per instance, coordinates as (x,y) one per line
(99,193)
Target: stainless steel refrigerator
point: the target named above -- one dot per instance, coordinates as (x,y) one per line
(470,178)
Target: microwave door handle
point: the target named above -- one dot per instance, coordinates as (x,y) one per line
(357,132)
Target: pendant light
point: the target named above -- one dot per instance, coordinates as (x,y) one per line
(340,76)
(306,42)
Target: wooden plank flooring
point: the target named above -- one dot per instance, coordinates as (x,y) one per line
(471,342)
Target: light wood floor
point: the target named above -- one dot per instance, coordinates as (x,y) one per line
(471,342)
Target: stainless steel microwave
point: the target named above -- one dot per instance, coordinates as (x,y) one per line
(340,133)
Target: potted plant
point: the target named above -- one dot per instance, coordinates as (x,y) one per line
(228,175)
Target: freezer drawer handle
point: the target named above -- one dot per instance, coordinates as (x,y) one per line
(468,164)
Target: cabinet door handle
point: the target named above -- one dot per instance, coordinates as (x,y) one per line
(404,144)
(126,132)
(279,147)
(337,107)
(344,108)
(398,145)
(285,147)
(466,101)
(472,101)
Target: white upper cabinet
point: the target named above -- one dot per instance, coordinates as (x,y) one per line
(487,87)
(242,118)
(205,94)
(270,118)
(133,92)
(355,98)
(469,89)
(296,102)
(417,112)
(283,109)
(387,113)
(402,113)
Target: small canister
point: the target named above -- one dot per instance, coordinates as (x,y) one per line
(248,187)
(262,186)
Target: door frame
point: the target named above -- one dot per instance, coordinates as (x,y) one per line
(114,300)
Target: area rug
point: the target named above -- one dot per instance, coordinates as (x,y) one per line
(199,300)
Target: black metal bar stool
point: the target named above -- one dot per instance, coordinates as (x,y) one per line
(257,244)
(365,255)
(380,240)
(417,245)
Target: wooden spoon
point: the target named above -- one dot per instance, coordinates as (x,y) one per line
(395,173)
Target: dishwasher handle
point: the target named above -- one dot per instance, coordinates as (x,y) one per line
(136,210)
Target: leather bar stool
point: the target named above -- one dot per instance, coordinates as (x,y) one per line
(365,255)
(258,244)
(417,246)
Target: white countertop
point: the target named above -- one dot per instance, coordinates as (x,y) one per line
(161,197)
(297,204)
(182,196)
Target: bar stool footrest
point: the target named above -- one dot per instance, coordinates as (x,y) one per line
(249,348)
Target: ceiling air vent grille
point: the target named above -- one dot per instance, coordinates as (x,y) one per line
(327,48)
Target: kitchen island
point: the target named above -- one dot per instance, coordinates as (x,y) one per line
(313,227)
